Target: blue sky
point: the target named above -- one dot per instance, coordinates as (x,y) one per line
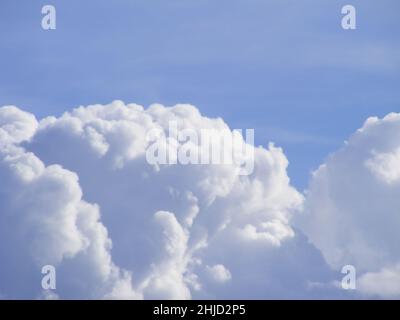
(285,68)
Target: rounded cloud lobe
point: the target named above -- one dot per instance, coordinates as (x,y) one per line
(352,207)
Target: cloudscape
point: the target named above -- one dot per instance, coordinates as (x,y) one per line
(195,150)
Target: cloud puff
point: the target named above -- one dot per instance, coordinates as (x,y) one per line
(16,125)
(352,206)
(219,273)
(118,227)
(45,221)
(384,283)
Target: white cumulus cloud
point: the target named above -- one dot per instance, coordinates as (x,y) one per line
(77,192)
(352,206)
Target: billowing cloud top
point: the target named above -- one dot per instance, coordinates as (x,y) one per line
(352,208)
(77,192)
